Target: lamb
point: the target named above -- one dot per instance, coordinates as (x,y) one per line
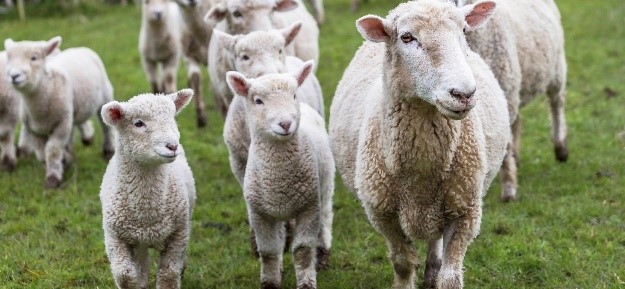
(244,16)
(160,43)
(10,115)
(147,191)
(290,173)
(58,91)
(195,38)
(419,129)
(524,46)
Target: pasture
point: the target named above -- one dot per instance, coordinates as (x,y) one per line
(567,230)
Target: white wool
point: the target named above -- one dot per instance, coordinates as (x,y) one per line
(10,115)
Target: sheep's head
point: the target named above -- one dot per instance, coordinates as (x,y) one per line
(156,11)
(147,130)
(26,61)
(245,16)
(427,48)
(259,52)
(271,106)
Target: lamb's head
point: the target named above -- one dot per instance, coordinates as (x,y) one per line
(156,11)
(427,50)
(259,52)
(146,129)
(26,61)
(245,16)
(271,106)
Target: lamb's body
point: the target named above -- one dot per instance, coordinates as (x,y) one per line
(147,191)
(524,46)
(10,115)
(160,43)
(419,174)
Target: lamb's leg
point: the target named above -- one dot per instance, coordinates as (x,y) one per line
(24,142)
(123,265)
(270,240)
(304,242)
(55,151)
(86,132)
(170,68)
(142,260)
(7,150)
(457,237)
(194,77)
(326,216)
(151,70)
(556,94)
(433,262)
(508,173)
(172,261)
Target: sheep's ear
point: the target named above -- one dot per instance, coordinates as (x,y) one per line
(373,28)
(238,83)
(223,38)
(8,43)
(290,32)
(304,71)
(181,98)
(285,5)
(477,14)
(215,14)
(52,45)
(112,113)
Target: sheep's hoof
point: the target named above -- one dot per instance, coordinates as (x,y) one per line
(268,285)
(87,141)
(562,153)
(201,121)
(323,259)
(8,164)
(52,182)
(108,154)
(306,286)
(509,193)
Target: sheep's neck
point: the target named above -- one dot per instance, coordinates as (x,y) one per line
(145,182)
(278,153)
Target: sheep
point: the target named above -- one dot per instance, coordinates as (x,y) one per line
(195,38)
(244,16)
(524,46)
(147,191)
(290,173)
(160,43)
(58,91)
(10,115)
(419,128)
(319,12)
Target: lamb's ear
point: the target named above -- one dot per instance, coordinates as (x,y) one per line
(285,5)
(224,39)
(8,43)
(373,28)
(290,32)
(112,113)
(52,45)
(238,83)
(304,71)
(477,14)
(215,14)
(181,98)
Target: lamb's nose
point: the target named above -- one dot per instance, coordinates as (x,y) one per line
(172,147)
(463,96)
(14,77)
(158,15)
(285,125)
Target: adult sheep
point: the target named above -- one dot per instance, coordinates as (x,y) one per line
(419,128)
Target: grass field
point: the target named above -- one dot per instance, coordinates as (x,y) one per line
(566,231)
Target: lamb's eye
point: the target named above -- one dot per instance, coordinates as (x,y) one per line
(245,57)
(280,51)
(33,58)
(258,101)
(139,123)
(407,37)
(236,13)
(294,96)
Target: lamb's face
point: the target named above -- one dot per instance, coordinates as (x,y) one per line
(245,16)
(26,61)
(156,11)
(259,53)
(426,41)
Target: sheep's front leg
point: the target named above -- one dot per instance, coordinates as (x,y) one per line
(172,261)
(194,78)
(151,70)
(7,150)
(170,67)
(55,151)
(86,132)
(123,266)
(142,261)
(433,263)
(326,217)
(270,241)
(304,244)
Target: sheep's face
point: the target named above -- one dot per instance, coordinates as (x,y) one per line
(271,106)
(427,48)
(147,130)
(245,16)
(260,52)
(156,11)
(26,61)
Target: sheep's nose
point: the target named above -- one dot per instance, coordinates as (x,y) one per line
(192,2)
(463,96)
(172,147)
(285,125)
(14,77)
(158,15)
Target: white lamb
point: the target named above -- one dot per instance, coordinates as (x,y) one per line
(195,38)
(524,46)
(59,91)
(244,16)
(147,191)
(290,174)
(160,43)
(10,115)
(419,128)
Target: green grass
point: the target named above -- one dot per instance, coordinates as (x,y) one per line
(566,231)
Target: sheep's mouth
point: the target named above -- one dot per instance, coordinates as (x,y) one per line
(455,113)
(169,156)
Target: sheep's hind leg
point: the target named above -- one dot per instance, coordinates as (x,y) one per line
(170,68)
(508,172)
(7,151)
(86,132)
(270,241)
(194,78)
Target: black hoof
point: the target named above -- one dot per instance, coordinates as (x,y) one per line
(52,182)
(562,154)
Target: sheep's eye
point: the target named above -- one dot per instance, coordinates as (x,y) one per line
(236,13)
(280,51)
(139,123)
(258,101)
(245,57)
(294,96)
(407,37)
(33,58)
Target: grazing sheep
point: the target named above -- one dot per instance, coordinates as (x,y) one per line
(419,129)
(524,46)
(59,91)
(195,38)
(290,174)
(160,43)
(147,191)
(10,115)
(244,16)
